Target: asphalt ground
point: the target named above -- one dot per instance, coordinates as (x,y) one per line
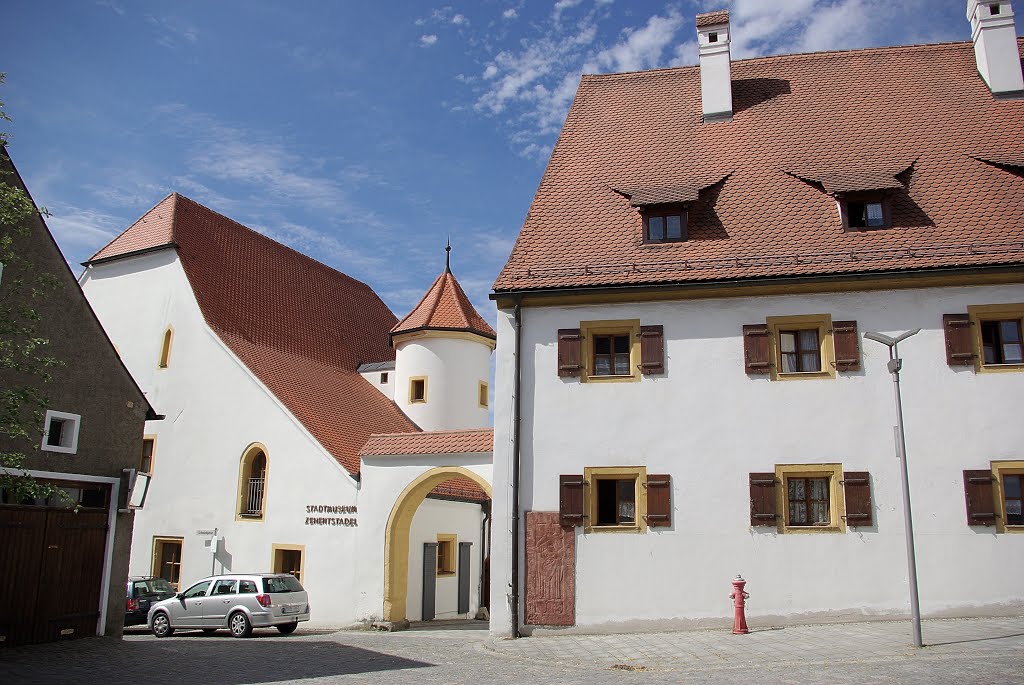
(961,651)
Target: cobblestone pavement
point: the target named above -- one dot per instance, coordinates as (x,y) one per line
(961,651)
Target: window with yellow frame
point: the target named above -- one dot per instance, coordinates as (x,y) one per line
(801,346)
(610,350)
(418,390)
(1008,481)
(615,499)
(810,498)
(446,546)
(997,336)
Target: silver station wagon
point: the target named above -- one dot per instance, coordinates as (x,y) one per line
(237,601)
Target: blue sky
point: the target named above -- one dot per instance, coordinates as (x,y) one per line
(362,133)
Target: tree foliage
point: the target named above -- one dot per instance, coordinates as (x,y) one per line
(25,368)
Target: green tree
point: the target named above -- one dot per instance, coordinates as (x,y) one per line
(25,368)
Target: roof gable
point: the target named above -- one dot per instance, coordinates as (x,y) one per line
(857,119)
(300,327)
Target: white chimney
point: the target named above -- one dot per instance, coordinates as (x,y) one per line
(715,71)
(995,46)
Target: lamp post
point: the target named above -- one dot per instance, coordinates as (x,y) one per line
(894,366)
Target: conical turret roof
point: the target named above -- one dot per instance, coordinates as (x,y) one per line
(445,307)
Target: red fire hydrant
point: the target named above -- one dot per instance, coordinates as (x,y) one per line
(739,600)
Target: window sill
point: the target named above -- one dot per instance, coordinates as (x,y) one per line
(803,375)
(613,378)
(58,449)
(446,574)
(250,517)
(1000,368)
(613,529)
(812,529)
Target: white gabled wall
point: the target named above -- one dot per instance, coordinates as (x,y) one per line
(709,425)
(214,409)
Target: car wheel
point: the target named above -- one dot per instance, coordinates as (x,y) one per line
(287,628)
(240,625)
(162,626)
(209,631)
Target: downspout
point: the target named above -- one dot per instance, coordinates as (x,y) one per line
(485,547)
(516,407)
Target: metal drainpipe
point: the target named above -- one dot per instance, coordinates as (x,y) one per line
(516,405)
(485,546)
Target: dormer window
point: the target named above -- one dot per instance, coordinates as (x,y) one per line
(665,225)
(865,210)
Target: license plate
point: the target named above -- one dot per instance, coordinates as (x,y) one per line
(290,609)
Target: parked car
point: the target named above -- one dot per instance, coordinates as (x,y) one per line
(141,593)
(236,601)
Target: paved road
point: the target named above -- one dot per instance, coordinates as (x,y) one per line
(961,651)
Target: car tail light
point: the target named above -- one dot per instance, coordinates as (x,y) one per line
(264,600)
(132,605)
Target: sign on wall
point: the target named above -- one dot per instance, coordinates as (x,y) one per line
(335,519)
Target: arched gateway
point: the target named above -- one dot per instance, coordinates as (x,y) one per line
(396,534)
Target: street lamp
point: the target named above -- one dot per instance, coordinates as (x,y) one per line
(894,366)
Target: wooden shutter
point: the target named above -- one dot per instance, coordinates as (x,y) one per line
(569,352)
(659,500)
(756,351)
(570,500)
(652,349)
(978,493)
(959,346)
(762,499)
(857,491)
(847,345)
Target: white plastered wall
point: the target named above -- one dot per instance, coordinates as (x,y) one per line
(463,520)
(709,425)
(214,410)
(453,368)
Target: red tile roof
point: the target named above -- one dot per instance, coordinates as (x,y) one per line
(712,18)
(445,307)
(430,442)
(460,488)
(852,114)
(301,327)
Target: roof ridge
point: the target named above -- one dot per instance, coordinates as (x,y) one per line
(788,56)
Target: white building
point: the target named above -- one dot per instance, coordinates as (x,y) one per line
(682,390)
(273,371)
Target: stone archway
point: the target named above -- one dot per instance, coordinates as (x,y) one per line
(396,535)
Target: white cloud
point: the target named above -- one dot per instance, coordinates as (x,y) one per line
(172,31)
(110,4)
(76,229)
(460,20)
(510,13)
(642,47)
(427,40)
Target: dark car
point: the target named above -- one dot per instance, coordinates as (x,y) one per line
(142,592)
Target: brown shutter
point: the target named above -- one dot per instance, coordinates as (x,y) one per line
(959,346)
(847,345)
(762,499)
(980,504)
(756,351)
(570,500)
(857,491)
(569,352)
(652,349)
(659,500)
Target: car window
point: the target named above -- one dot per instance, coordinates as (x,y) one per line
(281,584)
(247,587)
(224,587)
(197,590)
(152,586)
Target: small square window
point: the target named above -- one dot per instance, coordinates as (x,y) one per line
(665,226)
(799,351)
(993,10)
(1008,488)
(614,500)
(808,501)
(60,432)
(713,37)
(384,377)
(996,337)
(810,498)
(611,350)
(803,346)
(417,390)
(611,355)
(865,210)
(288,559)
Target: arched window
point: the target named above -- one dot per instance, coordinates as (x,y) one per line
(252,486)
(165,348)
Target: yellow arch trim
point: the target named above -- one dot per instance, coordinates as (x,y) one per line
(396,535)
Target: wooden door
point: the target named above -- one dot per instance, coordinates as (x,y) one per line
(21,530)
(429,580)
(464,576)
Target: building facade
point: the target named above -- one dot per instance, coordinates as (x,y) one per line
(684,392)
(88,437)
(274,370)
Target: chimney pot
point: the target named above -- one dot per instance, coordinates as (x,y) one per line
(713,40)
